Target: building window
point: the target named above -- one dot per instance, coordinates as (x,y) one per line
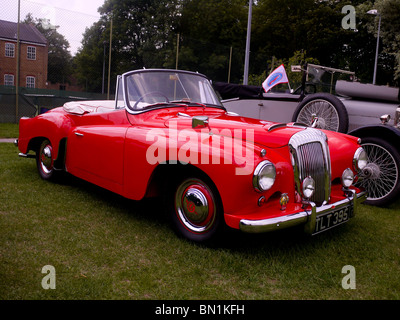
(31,53)
(8,79)
(10,49)
(30,82)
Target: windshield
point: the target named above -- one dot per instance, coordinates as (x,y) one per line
(148,88)
(325,78)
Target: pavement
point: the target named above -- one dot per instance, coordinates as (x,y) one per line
(8,140)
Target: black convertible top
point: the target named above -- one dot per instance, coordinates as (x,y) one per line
(230,90)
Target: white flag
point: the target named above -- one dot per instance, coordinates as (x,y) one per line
(276,76)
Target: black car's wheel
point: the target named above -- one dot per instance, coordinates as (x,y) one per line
(331,112)
(381,175)
(196,209)
(44,160)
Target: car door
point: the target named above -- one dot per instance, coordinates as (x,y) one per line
(95,150)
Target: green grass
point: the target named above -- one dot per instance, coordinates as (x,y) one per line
(8,130)
(105,247)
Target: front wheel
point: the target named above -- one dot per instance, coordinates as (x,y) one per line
(380,178)
(196,209)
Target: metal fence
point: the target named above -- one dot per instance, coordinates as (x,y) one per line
(27,102)
(31,102)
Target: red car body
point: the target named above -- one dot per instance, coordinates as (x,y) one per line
(204,159)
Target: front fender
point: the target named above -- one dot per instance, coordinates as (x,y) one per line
(389,133)
(231,169)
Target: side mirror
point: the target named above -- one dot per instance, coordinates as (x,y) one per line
(199,122)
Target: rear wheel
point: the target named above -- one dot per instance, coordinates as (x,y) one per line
(381,175)
(196,209)
(330,111)
(44,160)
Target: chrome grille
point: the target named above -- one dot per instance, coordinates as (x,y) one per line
(310,157)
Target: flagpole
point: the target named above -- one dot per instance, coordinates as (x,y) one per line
(247,55)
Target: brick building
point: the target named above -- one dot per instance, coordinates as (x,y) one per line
(33,55)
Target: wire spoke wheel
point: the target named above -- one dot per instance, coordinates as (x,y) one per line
(328,117)
(380,178)
(329,110)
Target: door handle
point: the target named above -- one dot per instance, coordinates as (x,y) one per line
(79,134)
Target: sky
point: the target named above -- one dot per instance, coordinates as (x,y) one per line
(72,16)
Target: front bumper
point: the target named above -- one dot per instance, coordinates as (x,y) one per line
(307,217)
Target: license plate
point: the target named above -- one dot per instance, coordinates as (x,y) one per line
(332,219)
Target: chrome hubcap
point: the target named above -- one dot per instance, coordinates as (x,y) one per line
(372,171)
(194,205)
(46,161)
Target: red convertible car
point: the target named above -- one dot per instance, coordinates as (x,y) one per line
(167,134)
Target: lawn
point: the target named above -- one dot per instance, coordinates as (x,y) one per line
(8,130)
(103,246)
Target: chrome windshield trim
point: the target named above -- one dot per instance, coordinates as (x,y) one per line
(130,110)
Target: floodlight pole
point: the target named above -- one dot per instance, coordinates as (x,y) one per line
(18,66)
(376,13)
(109,59)
(104,66)
(247,55)
(377,48)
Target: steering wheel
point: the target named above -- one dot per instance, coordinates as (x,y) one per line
(148,94)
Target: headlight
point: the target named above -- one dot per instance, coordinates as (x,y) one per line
(360,159)
(264,176)
(347,178)
(308,187)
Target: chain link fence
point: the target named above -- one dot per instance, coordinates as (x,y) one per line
(36,93)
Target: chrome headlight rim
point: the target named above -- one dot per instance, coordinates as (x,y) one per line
(347,178)
(308,187)
(360,159)
(264,176)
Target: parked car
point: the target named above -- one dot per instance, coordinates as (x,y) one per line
(355,108)
(167,134)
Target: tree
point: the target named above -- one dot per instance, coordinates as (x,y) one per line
(209,29)
(390,30)
(147,33)
(142,36)
(59,57)
(91,58)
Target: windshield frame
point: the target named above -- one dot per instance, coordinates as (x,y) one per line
(123,85)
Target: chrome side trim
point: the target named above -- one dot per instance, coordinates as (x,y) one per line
(307,217)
